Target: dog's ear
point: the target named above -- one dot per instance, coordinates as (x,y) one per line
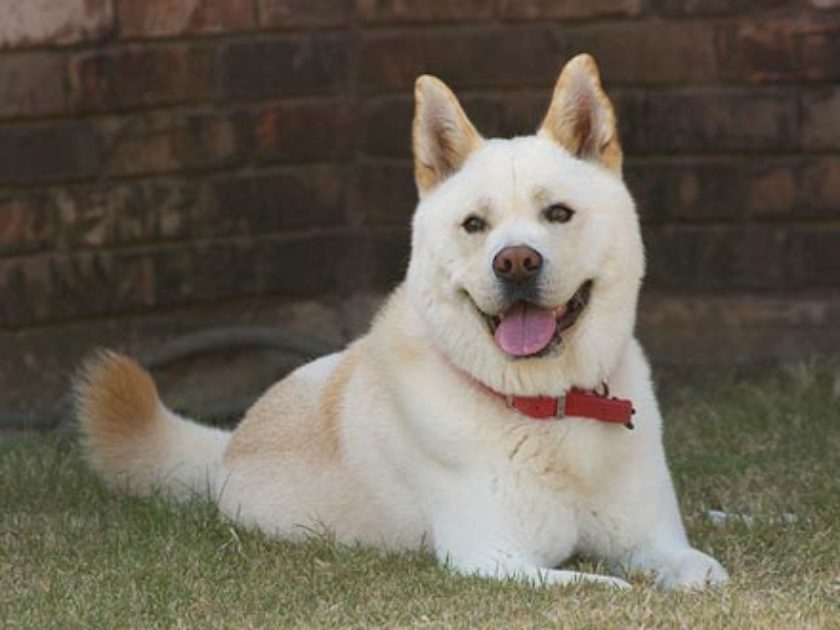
(442,135)
(581,118)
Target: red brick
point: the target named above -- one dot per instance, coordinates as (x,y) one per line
(819,186)
(500,58)
(649,52)
(782,49)
(32,84)
(292,199)
(687,191)
(27,223)
(61,287)
(821,119)
(384,193)
(127,214)
(290,266)
(140,77)
(47,22)
(284,66)
(386,127)
(86,220)
(204,272)
(708,121)
(522,112)
(173,270)
(773,190)
(291,14)
(676,8)
(165,142)
(406,11)
(299,267)
(793,188)
(734,189)
(765,254)
(816,261)
(758,52)
(386,259)
(738,182)
(567,9)
(299,131)
(23,285)
(714,258)
(688,259)
(745,309)
(820,52)
(162,18)
(745,328)
(294,267)
(45,152)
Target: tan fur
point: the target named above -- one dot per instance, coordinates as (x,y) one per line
(442,135)
(584,127)
(129,434)
(117,404)
(295,416)
(333,398)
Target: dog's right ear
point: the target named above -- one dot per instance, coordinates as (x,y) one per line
(442,135)
(581,117)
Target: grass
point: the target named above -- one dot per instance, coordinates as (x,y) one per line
(760,443)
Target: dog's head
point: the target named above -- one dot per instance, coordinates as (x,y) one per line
(527,258)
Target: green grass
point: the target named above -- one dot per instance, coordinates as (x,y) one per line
(761,443)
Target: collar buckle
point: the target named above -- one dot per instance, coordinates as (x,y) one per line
(561,406)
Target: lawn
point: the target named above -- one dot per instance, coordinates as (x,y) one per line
(762,443)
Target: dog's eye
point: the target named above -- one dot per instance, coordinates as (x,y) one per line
(473,224)
(558,213)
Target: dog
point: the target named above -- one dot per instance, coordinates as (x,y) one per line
(499,411)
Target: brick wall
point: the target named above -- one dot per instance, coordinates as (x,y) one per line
(173,165)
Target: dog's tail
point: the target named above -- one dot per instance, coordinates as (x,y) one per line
(134,441)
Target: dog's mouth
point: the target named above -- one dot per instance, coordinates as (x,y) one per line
(526,329)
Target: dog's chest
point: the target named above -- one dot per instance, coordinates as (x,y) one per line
(550,478)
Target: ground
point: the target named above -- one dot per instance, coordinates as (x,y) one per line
(759,443)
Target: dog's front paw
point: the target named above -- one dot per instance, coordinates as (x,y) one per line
(691,569)
(615,582)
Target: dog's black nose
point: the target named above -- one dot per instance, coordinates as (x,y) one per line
(518,264)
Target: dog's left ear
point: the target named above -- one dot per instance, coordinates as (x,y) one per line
(581,118)
(442,135)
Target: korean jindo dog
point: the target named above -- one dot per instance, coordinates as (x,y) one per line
(474,416)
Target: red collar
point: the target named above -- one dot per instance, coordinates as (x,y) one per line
(575,402)
(580,403)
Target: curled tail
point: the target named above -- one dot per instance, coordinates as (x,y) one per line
(134,441)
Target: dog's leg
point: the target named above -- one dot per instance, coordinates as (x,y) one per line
(651,536)
(537,576)
(663,548)
(677,566)
(659,542)
(471,549)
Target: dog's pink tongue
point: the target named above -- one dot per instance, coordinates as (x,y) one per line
(525,329)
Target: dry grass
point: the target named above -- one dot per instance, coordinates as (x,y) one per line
(74,555)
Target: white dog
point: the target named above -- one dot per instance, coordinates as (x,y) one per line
(473,416)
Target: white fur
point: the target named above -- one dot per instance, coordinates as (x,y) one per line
(428,455)
(423,455)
